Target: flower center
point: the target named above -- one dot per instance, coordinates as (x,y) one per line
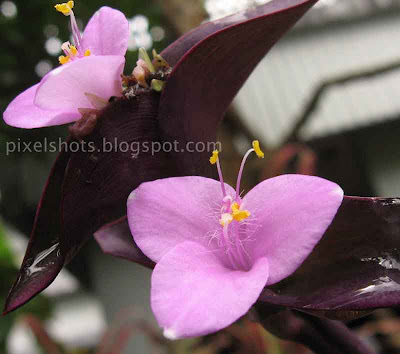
(75,51)
(233,215)
(147,75)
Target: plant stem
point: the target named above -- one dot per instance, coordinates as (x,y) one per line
(41,334)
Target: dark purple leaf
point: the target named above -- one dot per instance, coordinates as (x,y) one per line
(43,260)
(356,265)
(116,239)
(354,268)
(210,74)
(97,184)
(210,65)
(176,50)
(88,188)
(321,335)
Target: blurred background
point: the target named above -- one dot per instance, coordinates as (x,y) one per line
(324,101)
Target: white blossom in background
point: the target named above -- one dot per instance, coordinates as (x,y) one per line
(221,8)
(8,9)
(323,3)
(51,31)
(77,322)
(53,46)
(157,33)
(140,35)
(43,67)
(21,340)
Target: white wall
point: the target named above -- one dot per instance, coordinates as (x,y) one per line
(277,90)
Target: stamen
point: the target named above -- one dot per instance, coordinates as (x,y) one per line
(215,160)
(70,53)
(63,59)
(260,154)
(76,33)
(228,245)
(214,157)
(231,211)
(256,147)
(240,251)
(74,51)
(239,215)
(241,172)
(66,47)
(65,8)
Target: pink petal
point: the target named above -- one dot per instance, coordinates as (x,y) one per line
(23,113)
(167,212)
(193,293)
(290,213)
(64,88)
(107,33)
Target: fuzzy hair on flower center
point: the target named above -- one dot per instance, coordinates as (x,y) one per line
(233,216)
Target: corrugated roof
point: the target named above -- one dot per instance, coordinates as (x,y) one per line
(323,12)
(326,11)
(276,92)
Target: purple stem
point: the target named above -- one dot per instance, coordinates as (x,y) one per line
(321,335)
(239,178)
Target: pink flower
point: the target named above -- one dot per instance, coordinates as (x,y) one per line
(216,251)
(91,68)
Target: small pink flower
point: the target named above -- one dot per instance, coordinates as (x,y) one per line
(91,67)
(216,251)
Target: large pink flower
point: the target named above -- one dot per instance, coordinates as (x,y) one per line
(216,251)
(92,66)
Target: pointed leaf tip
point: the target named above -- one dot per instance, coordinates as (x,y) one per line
(207,64)
(43,260)
(91,180)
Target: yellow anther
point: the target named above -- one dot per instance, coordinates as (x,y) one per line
(87,52)
(65,8)
(214,157)
(239,215)
(63,60)
(256,147)
(73,50)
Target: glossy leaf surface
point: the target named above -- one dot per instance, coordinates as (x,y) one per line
(88,188)
(210,64)
(355,266)
(97,184)
(209,75)
(43,260)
